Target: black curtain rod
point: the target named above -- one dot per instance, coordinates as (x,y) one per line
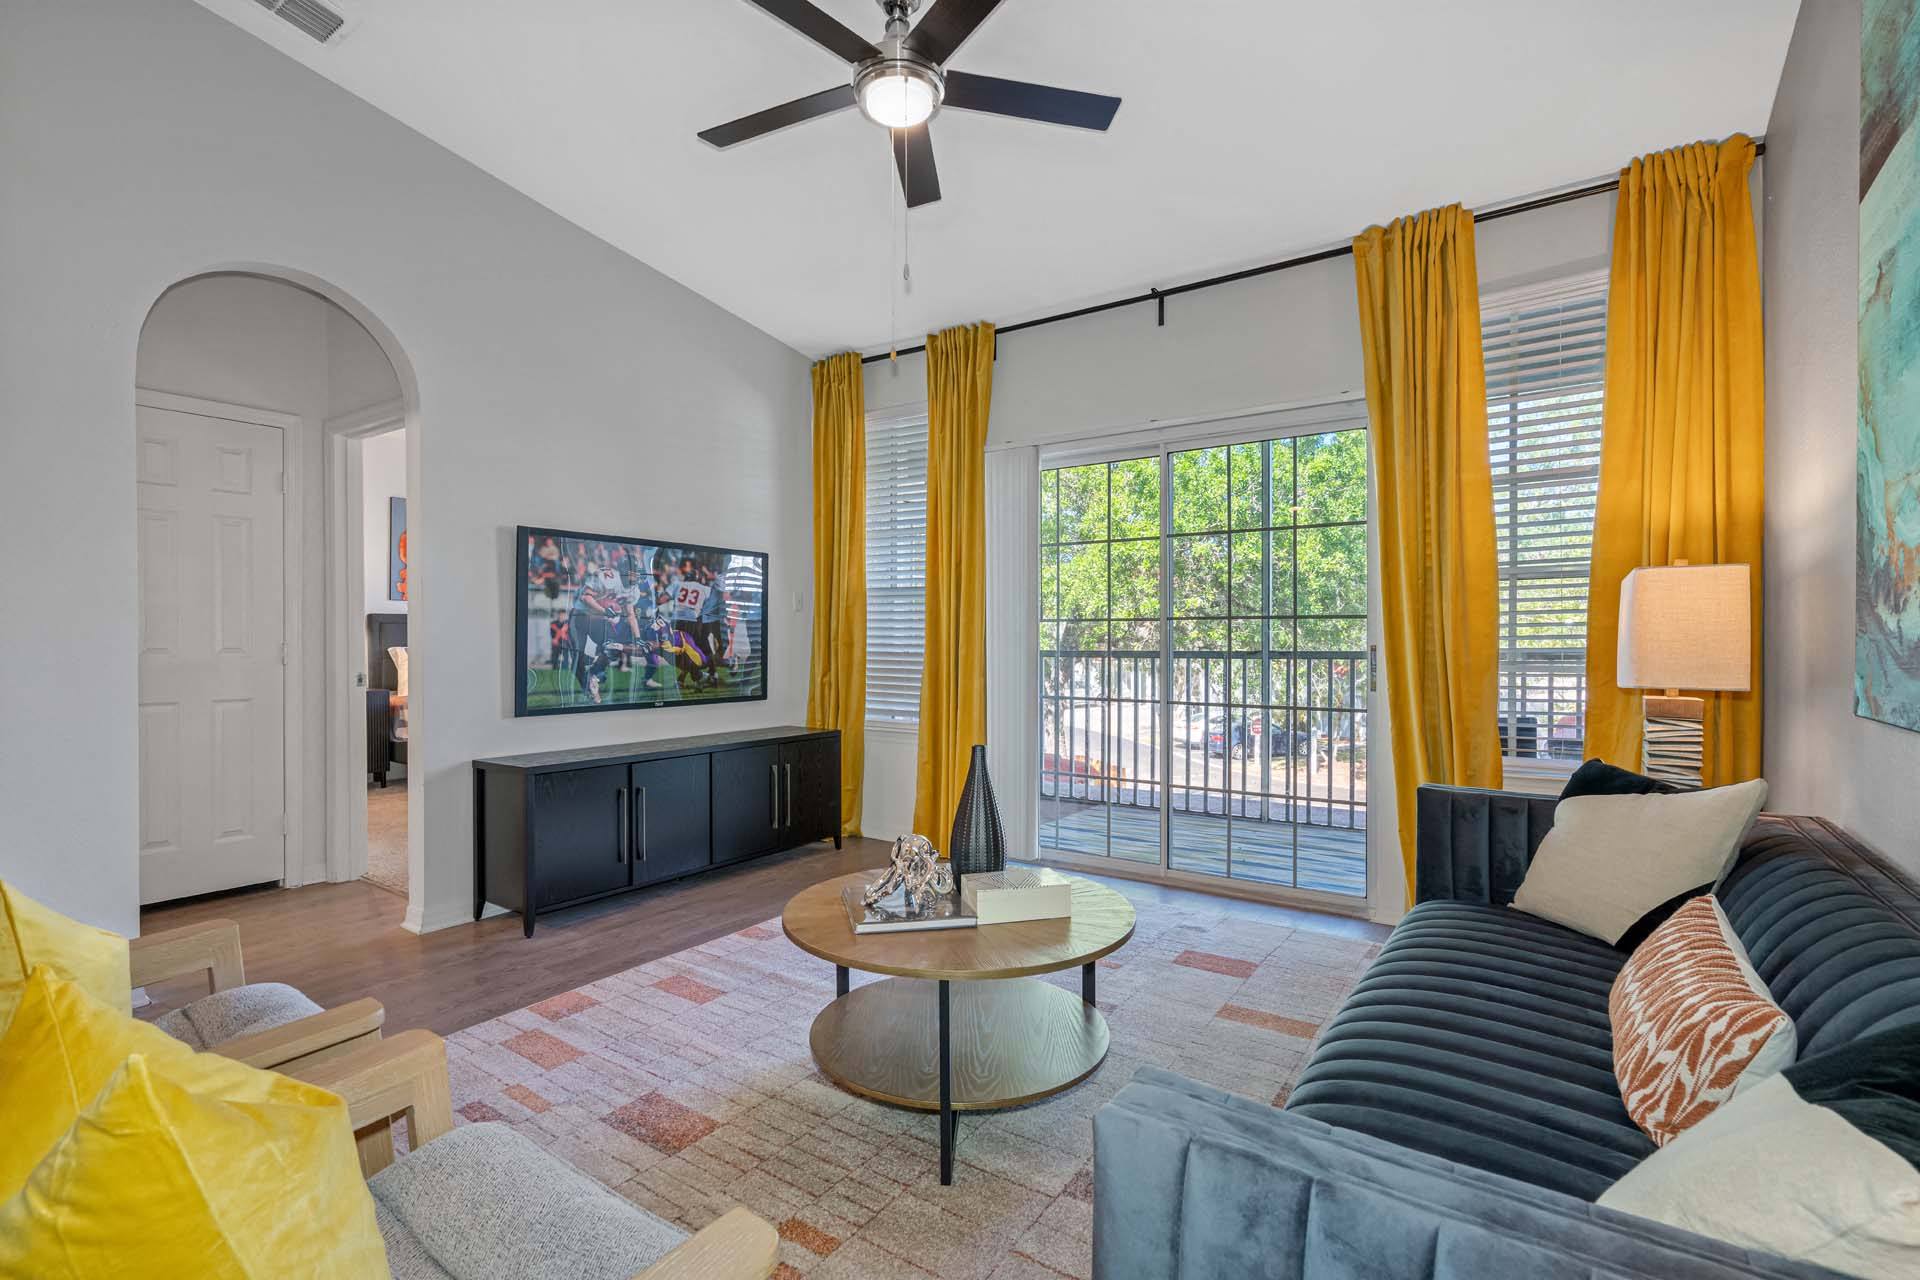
(1160,296)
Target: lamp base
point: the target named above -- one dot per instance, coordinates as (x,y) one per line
(1674,740)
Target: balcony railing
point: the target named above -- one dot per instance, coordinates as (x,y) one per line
(1278,733)
(1543,703)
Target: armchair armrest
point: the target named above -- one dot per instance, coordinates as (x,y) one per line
(405,1075)
(1191,1181)
(330,1033)
(1473,845)
(211,947)
(735,1246)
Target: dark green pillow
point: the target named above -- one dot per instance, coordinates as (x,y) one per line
(1598,778)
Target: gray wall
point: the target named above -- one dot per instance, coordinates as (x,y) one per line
(552,380)
(1821,758)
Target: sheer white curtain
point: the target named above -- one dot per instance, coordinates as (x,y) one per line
(1013,589)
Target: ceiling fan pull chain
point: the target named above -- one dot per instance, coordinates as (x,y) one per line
(893,254)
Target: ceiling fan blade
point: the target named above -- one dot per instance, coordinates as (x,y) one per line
(913,157)
(1029,101)
(947,26)
(818,27)
(823,103)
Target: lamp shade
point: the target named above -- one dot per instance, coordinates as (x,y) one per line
(1687,627)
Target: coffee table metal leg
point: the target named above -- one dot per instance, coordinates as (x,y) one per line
(1086,982)
(946,1092)
(840,980)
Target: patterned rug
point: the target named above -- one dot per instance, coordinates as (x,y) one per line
(687,1085)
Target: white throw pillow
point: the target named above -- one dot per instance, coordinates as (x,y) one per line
(1611,859)
(399,655)
(1772,1171)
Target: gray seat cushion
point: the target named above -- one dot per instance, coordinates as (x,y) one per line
(1480,1035)
(238,1011)
(484,1203)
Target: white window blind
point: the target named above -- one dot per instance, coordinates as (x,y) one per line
(896,562)
(1545,353)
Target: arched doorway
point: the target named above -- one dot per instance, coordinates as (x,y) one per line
(257,388)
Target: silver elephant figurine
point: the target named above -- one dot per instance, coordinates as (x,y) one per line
(916,867)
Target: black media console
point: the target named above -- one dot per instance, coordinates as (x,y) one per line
(558,828)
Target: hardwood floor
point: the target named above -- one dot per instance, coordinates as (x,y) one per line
(339,942)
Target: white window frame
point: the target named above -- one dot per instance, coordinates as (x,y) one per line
(1164,439)
(896,549)
(1546,773)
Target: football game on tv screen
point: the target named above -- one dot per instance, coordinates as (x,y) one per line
(609,623)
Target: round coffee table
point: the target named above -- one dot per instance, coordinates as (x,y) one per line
(1003,1038)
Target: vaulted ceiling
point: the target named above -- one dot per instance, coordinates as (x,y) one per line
(1250,129)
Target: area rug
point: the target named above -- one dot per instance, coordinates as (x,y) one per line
(687,1086)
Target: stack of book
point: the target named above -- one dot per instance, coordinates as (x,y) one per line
(890,914)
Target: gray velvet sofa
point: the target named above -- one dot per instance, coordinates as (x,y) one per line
(1459,1114)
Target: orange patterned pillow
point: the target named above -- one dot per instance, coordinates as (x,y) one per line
(1692,1022)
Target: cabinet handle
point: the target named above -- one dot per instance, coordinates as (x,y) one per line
(773,778)
(626,825)
(643,824)
(789,795)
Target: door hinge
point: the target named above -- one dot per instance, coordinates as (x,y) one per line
(283,482)
(283,824)
(1373,668)
(283,653)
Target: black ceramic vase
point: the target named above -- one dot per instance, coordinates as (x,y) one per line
(979,841)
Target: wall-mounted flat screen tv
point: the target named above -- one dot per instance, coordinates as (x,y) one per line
(607,623)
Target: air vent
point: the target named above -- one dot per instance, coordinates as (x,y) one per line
(316,19)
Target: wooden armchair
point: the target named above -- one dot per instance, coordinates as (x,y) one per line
(267,1025)
(405,1077)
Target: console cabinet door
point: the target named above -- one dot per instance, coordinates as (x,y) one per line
(580,847)
(673,831)
(748,802)
(810,790)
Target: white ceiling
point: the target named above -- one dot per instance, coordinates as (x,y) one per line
(1339,114)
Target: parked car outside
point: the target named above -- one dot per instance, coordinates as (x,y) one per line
(1243,731)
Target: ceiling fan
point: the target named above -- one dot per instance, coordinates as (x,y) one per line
(902,81)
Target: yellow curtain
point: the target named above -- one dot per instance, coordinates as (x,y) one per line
(1427,398)
(1681,447)
(837,684)
(953,679)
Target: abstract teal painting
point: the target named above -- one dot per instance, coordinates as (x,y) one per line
(1886,682)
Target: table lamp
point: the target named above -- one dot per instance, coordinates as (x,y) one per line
(1688,627)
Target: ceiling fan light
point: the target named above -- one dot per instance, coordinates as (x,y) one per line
(897,101)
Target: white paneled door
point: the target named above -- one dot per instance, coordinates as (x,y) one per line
(212,657)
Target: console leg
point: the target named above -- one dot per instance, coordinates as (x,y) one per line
(1086,982)
(526,922)
(946,1092)
(840,980)
(836,842)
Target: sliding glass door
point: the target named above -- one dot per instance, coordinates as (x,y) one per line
(1204,664)
(1100,659)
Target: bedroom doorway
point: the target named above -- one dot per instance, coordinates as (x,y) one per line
(249,383)
(377,469)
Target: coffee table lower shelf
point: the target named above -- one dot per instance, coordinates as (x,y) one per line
(1002,1042)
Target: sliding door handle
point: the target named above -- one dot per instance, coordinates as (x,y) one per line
(773,779)
(626,826)
(643,824)
(789,821)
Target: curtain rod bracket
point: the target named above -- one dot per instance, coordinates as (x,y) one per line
(1160,300)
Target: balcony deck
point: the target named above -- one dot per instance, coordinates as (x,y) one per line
(1304,855)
